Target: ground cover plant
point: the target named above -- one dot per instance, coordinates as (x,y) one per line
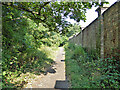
(84,71)
(26,48)
(29,30)
(16,76)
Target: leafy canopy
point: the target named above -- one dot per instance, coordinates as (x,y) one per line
(53,14)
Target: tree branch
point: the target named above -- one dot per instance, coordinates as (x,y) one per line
(19,8)
(43,7)
(33,13)
(24,9)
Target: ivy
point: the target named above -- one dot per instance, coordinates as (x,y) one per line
(83,70)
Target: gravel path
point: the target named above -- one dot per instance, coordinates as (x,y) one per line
(55,78)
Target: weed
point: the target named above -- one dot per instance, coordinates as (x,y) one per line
(87,70)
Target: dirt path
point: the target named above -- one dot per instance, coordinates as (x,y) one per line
(55,77)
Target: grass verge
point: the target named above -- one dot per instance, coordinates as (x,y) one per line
(34,63)
(84,71)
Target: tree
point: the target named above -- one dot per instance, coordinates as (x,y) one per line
(73,30)
(29,25)
(53,14)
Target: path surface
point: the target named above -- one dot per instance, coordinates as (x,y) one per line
(54,79)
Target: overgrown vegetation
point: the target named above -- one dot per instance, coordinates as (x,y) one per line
(86,71)
(30,30)
(26,48)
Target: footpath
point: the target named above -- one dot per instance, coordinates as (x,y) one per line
(55,77)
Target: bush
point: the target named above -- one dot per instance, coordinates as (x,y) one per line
(83,71)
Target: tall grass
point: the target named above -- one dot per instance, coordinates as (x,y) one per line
(33,64)
(84,71)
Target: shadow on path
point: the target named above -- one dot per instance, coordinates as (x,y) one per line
(55,75)
(61,84)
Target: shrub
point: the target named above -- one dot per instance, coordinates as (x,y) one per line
(84,71)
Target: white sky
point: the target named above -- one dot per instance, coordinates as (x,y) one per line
(91,15)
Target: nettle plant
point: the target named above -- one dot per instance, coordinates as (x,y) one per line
(106,71)
(110,75)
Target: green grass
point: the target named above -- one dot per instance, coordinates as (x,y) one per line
(34,63)
(83,71)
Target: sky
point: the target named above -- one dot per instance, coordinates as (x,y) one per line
(91,15)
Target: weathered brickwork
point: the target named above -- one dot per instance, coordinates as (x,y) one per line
(119,24)
(107,30)
(89,35)
(111,30)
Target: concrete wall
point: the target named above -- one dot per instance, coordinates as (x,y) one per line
(103,34)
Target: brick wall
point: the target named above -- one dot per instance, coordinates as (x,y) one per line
(111,30)
(103,34)
(90,35)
